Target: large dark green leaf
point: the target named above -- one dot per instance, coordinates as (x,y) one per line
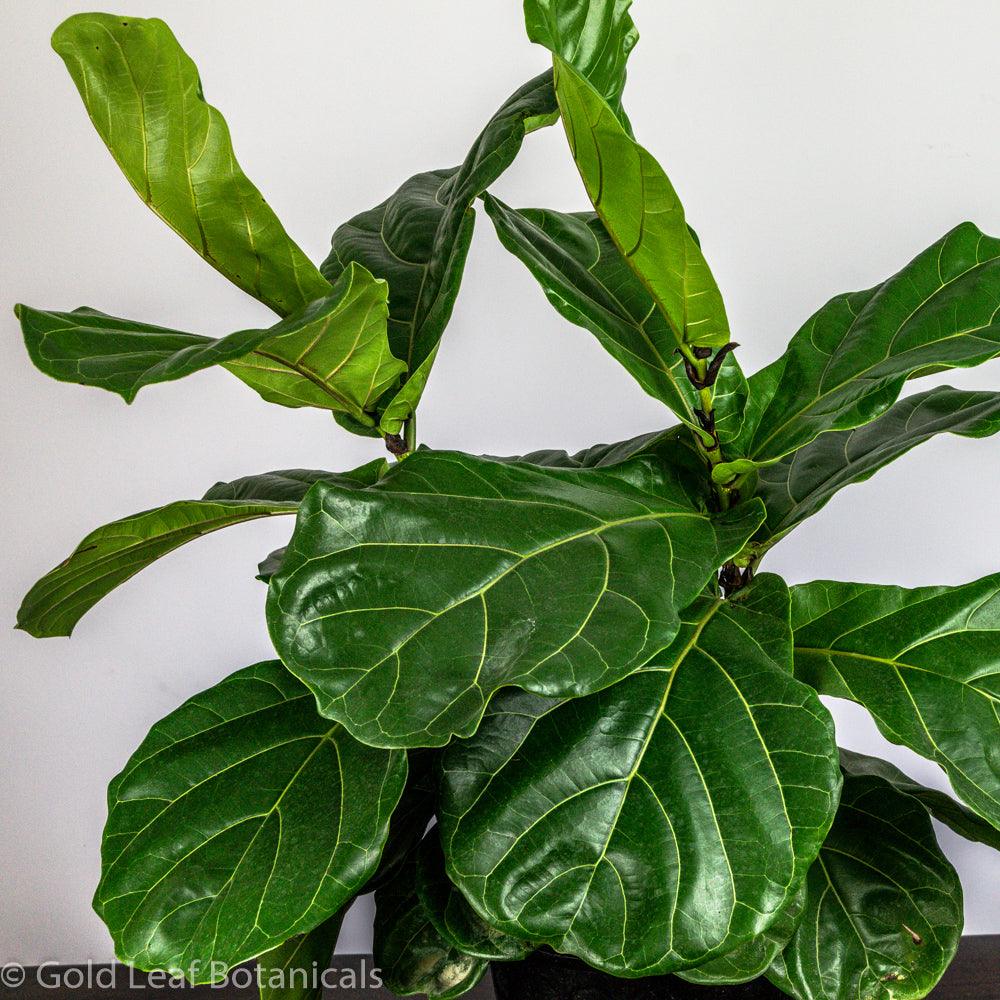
(848,364)
(641,212)
(925,664)
(589,282)
(802,483)
(332,353)
(409,951)
(293,970)
(451,915)
(238,824)
(144,96)
(751,960)
(418,239)
(595,36)
(883,911)
(114,553)
(407,605)
(661,822)
(940,805)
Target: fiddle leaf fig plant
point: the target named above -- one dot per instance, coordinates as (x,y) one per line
(545,702)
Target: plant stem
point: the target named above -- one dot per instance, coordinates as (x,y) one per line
(702,375)
(410,432)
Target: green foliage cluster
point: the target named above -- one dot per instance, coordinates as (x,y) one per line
(570,664)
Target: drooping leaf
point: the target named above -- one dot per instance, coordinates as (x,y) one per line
(589,282)
(802,483)
(447,909)
(661,822)
(407,605)
(332,353)
(940,805)
(883,913)
(114,553)
(144,96)
(641,212)
(410,820)
(292,971)
(417,240)
(410,953)
(594,36)
(848,364)
(237,825)
(923,662)
(751,960)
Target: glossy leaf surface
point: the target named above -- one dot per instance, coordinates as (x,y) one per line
(940,805)
(451,915)
(751,960)
(848,364)
(589,282)
(292,971)
(642,213)
(802,483)
(144,96)
(417,240)
(114,553)
(923,662)
(883,908)
(594,36)
(332,353)
(406,606)
(409,951)
(637,828)
(236,825)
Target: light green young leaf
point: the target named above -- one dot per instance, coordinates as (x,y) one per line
(641,212)
(233,827)
(594,36)
(923,662)
(406,606)
(114,553)
(332,353)
(850,361)
(292,971)
(802,483)
(417,240)
(635,828)
(883,915)
(144,96)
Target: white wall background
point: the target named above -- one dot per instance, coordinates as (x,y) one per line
(818,146)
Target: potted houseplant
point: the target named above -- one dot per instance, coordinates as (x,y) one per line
(548,708)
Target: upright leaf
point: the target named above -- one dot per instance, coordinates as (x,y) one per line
(144,96)
(410,953)
(924,664)
(641,212)
(802,483)
(590,283)
(236,825)
(332,353)
(407,605)
(594,36)
(293,970)
(661,822)
(883,914)
(114,553)
(848,364)
(417,240)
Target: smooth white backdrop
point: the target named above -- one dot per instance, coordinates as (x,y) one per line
(818,146)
